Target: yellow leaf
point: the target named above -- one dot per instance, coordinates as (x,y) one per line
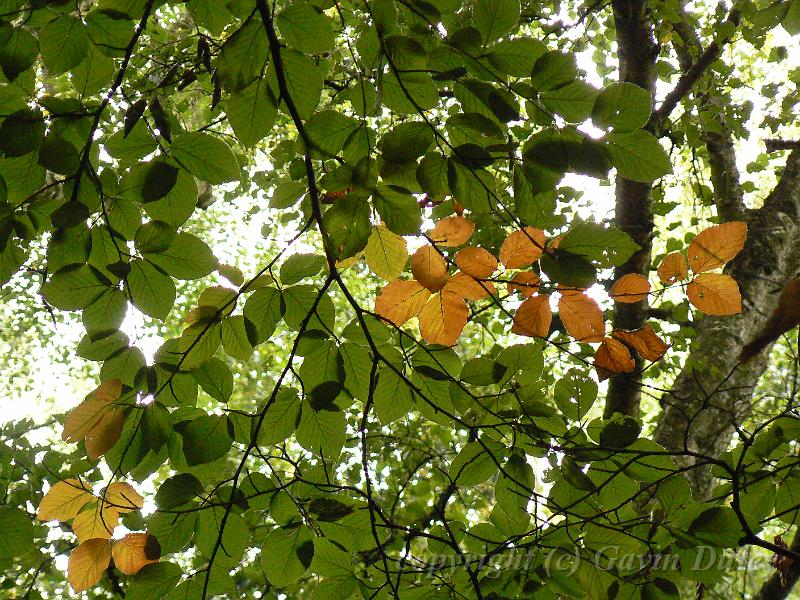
(443,318)
(713,247)
(469,287)
(452,231)
(64,499)
(401,300)
(429,268)
(630,288)
(386,253)
(715,294)
(526,283)
(673,268)
(522,248)
(476,262)
(95,522)
(533,317)
(105,433)
(122,497)
(134,551)
(581,316)
(87,564)
(645,341)
(612,358)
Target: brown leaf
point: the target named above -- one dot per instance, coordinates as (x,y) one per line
(477,262)
(612,358)
(713,247)
(399,301)
(105,433)
(443,318)
(645,341)
(673,268)
(87,564)
(581,316)
(715,294)
(84,417)
(526,283)
(533,317)
(429,268)
(522,248)
(64,499)
(630,288)
(452,231)
(134,551)
(469,287)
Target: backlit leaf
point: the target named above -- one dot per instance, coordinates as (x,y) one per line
(134,551)
(87,564)
(581,316)
(645,341)
(533,317)
(452,231)
(400,301)
(611,358)
(526,283)
(469,287)
(443,318)
(713,247)
(386,253)
(476,262)
(522,248)
(673,268)
(429,268)
(64,499)
(715,294)
(630,288)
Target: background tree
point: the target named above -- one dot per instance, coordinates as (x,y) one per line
(343,298)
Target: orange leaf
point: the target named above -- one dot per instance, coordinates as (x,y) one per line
(715,294)
(84,417)
(87,564)
(526,283)
(630,288)
(533,317)
(95,522)
(122,497)
(429,268)
(713,247)
(522,248)
(645,341)
(477,262)
(105,434)
(443,318)
(612,358)
(469,287)
(673,268)
(401,300)
(63,500)
(452,231)
(134,551)
(581,316)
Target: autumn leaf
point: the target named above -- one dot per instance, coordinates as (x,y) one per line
(84,417)
(64,500)
(469,287)
(134,551)
(522,248)
(105,434)
(399,301)
(122,497)
(443,318)
(673,268)
(713,247)
(429,268)
(386,253)
(612,358)
(452,231)
(581,316)
(630,288)
(526,283)
(715,294)
(87,564)
(98,520)
(645,341)
(476,262)
(533,317)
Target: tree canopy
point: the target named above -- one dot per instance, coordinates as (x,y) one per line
(399,299)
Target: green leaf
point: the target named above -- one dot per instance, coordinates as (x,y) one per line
(187,257)
(623,106)
(177,491)
(406,142)
(16,532)
(386,253)
(238,337)
(19,53)
(222,531)
(791,22)
(553,70)
(58,155)
(287,553)
(303,80)
(74,287)
(215,378)
(206,157)
(280,418)
(573,102)
(64,43)
(158,181)
(516,57)
(264,309)
(21,132)
(398,209)
(154,236)
(328,130)
(251,112)
(94,73)
(300,266)
(287,194)
(152,292)
(606,246)
(495,18)
(305,29)
(620,431)
(207,438)
(474,465)
(154,581)
(243,56)
(718,526)
(347,225)
(323,431)
(638,155)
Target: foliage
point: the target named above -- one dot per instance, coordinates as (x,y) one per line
(297,432)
